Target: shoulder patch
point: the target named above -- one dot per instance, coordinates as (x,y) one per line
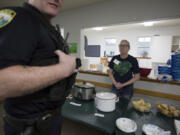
(6,16)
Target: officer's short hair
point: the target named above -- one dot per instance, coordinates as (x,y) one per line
(124,40)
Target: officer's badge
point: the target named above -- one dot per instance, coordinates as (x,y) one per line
(6,16)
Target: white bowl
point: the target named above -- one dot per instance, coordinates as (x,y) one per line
(105,101)
(106,95)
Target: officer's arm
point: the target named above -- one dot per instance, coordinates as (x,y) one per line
(21,80)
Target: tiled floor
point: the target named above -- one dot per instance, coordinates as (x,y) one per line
(75,128)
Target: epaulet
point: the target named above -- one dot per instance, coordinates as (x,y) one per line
(6,16)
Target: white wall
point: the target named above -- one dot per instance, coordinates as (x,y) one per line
(115,12)
(160,51)
(97,37)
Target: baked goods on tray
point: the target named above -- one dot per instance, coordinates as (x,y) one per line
(141,106)
(170,111)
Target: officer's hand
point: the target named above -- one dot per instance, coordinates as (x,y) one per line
(67,62)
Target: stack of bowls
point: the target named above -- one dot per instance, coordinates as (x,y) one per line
(165,70)
(175,66)
(164,73)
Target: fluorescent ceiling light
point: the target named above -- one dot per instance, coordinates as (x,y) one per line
(146,24)
(98,28)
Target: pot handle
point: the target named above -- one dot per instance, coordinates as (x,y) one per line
(79,95)
(94,93)
(84,82)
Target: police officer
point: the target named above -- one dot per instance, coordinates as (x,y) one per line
(24,38)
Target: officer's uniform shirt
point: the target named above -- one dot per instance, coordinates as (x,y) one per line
(22,39)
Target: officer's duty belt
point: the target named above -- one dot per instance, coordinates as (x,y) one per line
(22,123)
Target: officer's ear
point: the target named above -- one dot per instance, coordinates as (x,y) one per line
(28,1)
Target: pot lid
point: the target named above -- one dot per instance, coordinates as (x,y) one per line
(84,85)
(105,95)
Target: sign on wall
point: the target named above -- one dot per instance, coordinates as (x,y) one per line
(73,47)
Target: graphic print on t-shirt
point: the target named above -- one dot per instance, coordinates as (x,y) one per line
(123,67)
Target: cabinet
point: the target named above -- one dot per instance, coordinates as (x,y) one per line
(161,48)
(175,43)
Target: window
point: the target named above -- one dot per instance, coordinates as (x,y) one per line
(144,46)
(110,47)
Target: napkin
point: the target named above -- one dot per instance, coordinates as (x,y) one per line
(75,104)
(165,133)
(99,115)
(177,126)
(160,133)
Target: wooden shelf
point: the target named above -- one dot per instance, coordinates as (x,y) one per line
(140,91)
(135,57)
(142,78)
(93,73)
(143,57)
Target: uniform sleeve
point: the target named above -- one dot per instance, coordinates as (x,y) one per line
(111,63)
(135,66)
(17,42)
